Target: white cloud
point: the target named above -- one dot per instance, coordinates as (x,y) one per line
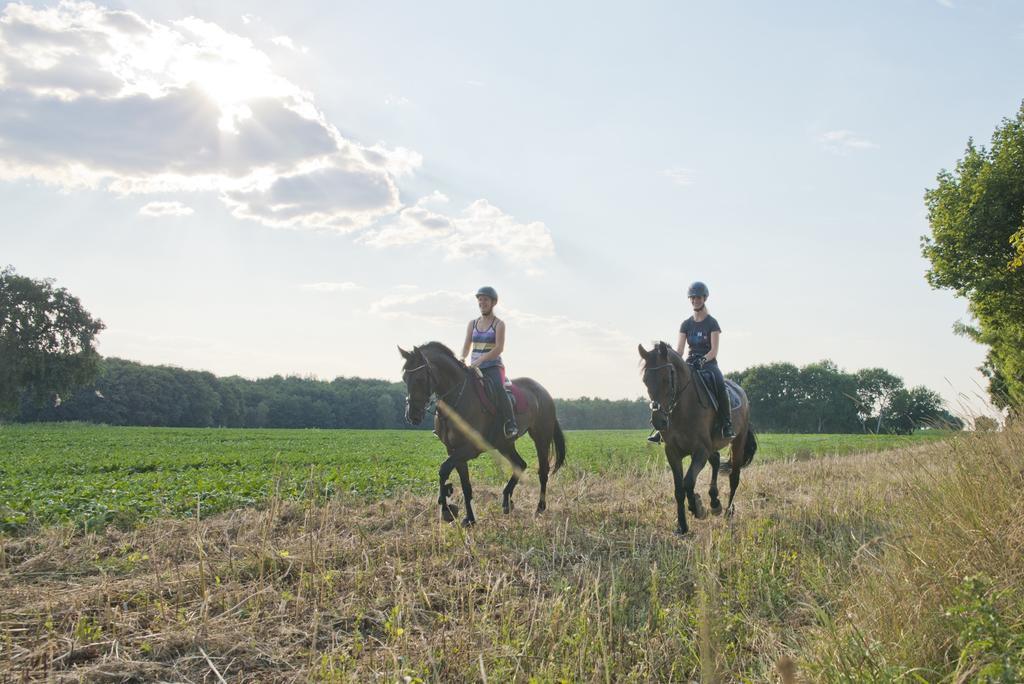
(844,140)
(166,209)
(679,176)
(446,307)
(107,99)
(398,100)
(442,307)
(289,44)
(481,228)
(331,287)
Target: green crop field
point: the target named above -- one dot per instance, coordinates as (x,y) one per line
(93,476)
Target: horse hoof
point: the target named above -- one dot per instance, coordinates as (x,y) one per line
(449,513)
(468,522)
(507,507)
(541,507)
(683,534)
(716,510)
(698,510)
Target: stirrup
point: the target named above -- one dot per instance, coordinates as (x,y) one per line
(727,430)
(511,429)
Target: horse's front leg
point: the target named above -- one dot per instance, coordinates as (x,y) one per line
(697,461)
(675,462)
(467,492)
(716,504)
(448,512)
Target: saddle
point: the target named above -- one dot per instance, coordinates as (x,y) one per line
(707,382)
(485,391)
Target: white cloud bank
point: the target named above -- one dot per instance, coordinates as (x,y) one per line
(158,209)
(101,98)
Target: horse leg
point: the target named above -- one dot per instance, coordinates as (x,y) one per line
(448,513)
(675,461)
(467,493)
(715,461)
(697,461)
(543,452)
(520,465)
(738,446)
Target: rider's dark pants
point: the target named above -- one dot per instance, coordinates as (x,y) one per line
(719,389)
(495,376)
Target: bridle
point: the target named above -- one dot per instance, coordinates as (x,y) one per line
(673,391)
(430,387)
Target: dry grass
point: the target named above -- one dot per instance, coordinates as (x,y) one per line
(845,566)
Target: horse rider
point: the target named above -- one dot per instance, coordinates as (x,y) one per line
(485,337)
(701,332)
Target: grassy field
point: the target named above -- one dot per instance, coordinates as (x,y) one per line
(905,566)
(93,476)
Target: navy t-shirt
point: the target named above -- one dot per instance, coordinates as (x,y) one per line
(698,335)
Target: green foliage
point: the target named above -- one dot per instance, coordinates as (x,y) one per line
(46,340)
(977,246)
(991,649)
(821,398)
(96,476)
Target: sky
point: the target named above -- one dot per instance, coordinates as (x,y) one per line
(296,188)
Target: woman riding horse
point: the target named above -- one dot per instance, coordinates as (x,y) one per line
(701,333)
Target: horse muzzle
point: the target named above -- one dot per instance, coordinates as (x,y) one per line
(413,418)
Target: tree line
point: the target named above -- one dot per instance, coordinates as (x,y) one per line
(816,398)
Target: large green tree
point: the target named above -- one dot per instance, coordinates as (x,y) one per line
(46,340)
(976,249)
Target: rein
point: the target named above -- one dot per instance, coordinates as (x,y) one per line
(431,392)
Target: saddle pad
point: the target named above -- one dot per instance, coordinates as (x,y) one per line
(733,390)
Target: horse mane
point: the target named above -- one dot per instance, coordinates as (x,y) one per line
(673,355)
(440,349)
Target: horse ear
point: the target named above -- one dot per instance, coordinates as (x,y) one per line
(405,355)
(663,350)
(643,352)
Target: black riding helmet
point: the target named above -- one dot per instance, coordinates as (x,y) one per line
(697,289)
(488,291)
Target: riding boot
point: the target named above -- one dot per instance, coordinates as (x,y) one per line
(511,429)
(724,412)
(655,437)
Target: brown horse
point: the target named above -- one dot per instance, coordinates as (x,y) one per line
(682,412)
(462,420)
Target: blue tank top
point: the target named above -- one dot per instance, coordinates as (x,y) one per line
(483,342)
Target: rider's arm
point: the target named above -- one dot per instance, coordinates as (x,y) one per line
(681,347)
(711,355)
(468,344)
(499,344)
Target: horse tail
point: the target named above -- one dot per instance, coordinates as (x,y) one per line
(559,438)
(749,448)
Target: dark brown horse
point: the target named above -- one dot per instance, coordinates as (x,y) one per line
(682,412)
(462,421)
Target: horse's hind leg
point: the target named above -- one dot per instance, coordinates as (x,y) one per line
(543,466)
(467,493)
(520,466)
(716,504)
(738,445)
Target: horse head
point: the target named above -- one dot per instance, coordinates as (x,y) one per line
(661,379)
(418,384)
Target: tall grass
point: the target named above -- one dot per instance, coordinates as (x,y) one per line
(849,568)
